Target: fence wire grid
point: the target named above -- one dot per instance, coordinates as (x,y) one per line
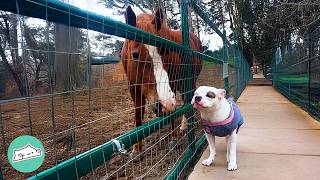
(296,73)
(62,81)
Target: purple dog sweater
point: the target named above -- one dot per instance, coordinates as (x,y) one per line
(226,127)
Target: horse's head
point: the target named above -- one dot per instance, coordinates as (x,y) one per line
(151,72)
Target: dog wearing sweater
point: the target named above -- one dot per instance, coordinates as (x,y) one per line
(220,117)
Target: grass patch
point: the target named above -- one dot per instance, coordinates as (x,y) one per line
(208,63)
(294,79)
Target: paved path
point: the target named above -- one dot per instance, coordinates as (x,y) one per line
(278,141)
(258,76)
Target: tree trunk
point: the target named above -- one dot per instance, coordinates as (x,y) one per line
(231,19)
(191,29)
(16,67)
(198,26)
(61,76)
(221,15)
(17,79)
(66,65)
(165,17)
(13,41)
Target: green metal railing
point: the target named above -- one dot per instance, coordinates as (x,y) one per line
(59,12)
(78,165)
(295,72)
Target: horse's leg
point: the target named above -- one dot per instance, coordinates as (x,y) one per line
(139,103)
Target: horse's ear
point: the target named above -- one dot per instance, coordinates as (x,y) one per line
(158,20)
(130,16)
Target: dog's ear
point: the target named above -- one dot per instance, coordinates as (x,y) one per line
(222,93)
(130,16)
(158,20)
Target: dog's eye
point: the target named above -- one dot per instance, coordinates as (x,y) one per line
(211,94)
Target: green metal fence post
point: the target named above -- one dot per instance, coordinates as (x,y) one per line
(272,64)
(236,60)
(275,73)
(188,71)
(1,175)
(309,70)
(241,72)
(187,78)
(4,151)
(188,62)
(225,62)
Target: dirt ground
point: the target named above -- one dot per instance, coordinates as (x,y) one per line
(83,120)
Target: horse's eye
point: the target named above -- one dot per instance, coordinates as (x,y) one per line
(211,94)
(135,55)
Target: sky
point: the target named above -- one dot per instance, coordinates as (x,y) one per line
(94,6)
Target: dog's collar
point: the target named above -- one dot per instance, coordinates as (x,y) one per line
(224,122)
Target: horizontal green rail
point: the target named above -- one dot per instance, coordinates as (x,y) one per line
(83,164)
(59,12)
(100,60)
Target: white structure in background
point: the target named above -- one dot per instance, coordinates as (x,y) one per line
(278,55)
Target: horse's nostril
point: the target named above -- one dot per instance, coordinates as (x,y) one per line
(157,108)
(135,55)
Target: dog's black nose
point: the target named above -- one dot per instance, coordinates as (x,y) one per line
(198,98)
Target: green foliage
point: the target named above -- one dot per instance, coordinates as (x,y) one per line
(262,26)
(302,78)
(216,54)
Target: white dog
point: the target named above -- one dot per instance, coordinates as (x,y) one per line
(220,117)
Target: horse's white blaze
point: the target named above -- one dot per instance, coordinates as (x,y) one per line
(165,94)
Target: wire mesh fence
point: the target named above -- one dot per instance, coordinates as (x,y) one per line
(62,81)
(295,72)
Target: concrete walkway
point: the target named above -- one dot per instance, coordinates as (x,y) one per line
(278,141)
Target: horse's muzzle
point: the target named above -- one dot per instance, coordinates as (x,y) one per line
(162,107)
(157,108)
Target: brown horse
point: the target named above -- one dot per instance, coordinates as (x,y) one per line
(155,73)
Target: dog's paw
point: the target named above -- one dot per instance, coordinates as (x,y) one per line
(207,162)
(232,166)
